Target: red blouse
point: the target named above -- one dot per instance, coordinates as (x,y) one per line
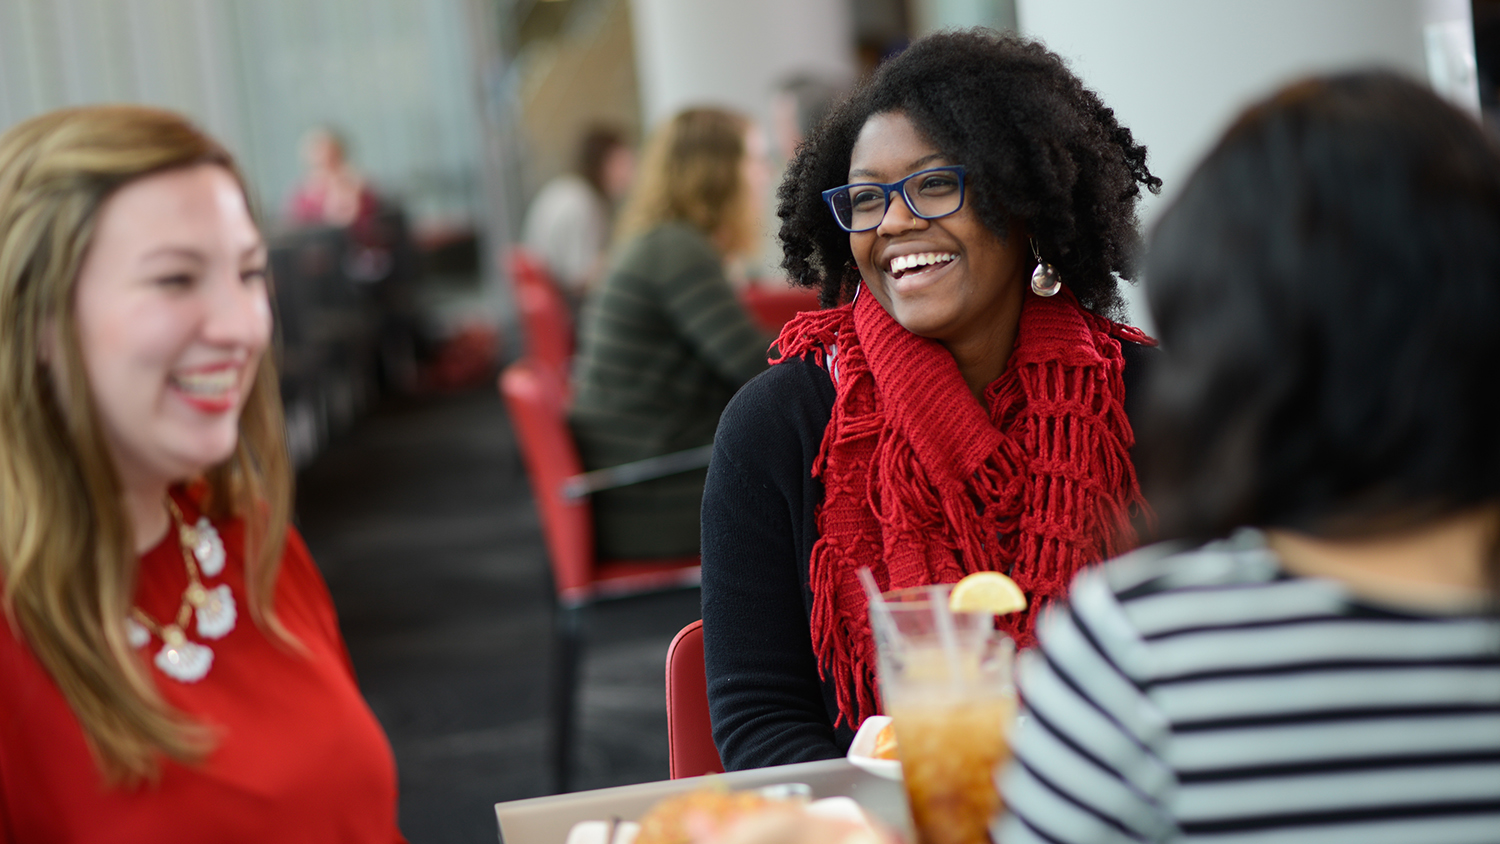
(299,756)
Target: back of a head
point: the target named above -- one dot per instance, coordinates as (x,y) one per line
(593,153)
(324,147)
(690,172)
(1327,287)
(811,97)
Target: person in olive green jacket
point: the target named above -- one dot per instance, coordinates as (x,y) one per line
(665,343)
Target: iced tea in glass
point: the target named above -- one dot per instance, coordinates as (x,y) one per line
(950,697)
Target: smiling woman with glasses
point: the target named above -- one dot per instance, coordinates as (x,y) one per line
(959,405)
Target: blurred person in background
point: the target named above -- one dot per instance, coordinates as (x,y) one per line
(665,343)
(332,192)
(170,665)
(569,222)
(800,103)
(964,412)
(1316,655)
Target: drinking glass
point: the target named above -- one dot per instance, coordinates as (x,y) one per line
(945,680)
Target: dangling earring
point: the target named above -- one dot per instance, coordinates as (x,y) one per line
(1044,279)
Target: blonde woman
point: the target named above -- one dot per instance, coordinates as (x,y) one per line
(665,343)
(170,664)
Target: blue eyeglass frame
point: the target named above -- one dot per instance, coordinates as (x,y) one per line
(893,188)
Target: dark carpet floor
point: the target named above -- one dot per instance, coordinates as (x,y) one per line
(422,521)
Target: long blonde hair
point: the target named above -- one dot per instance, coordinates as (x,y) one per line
(67,560)
(691,172)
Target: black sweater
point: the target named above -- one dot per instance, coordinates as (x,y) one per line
(767,704)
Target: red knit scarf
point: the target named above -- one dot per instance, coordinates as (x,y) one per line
(922,486)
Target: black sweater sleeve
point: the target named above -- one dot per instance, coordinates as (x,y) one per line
(766,702)
(1139,362)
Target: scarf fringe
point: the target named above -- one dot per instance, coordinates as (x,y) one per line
(811,331)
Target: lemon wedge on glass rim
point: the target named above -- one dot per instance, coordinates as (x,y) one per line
(986,591)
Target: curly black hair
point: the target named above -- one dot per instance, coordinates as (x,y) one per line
(1327,281)
(1036,145)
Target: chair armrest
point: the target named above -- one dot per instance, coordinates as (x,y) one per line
(625,474)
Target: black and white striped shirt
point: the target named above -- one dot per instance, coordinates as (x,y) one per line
(1209,696)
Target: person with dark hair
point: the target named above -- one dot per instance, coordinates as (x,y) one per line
(1316,655)
(800,103)
(568,224)
(953,409)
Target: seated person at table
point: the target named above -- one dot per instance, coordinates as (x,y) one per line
(1317,658)
(171,669)
(332,192)
(569,221)
(665,343)
(966,412)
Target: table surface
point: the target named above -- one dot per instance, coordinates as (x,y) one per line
(546,820)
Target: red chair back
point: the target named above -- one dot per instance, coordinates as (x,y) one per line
(690,736)
(772,307)
(545,317)
(537,402)
(538,411)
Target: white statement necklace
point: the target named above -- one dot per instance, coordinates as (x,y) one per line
(179,658)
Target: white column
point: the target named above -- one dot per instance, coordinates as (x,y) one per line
(1176,71)
(732,52)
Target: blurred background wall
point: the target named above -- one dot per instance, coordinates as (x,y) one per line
(463,108)
(575,67)
(393,76)
(1176,71)
(691,52)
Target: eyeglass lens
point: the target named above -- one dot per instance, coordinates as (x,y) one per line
(933,193)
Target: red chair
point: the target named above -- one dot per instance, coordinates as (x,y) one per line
(561,488)
(546,319)
(771,307)
(690,737)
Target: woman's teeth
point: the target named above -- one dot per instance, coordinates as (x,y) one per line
(902,264)
(207,383)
